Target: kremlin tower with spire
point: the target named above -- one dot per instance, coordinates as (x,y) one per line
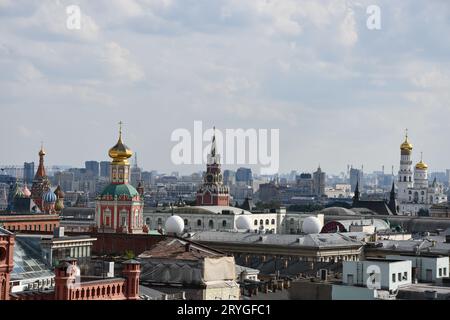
(213,192)
(119,208)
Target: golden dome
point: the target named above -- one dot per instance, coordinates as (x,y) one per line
(406,145)
(421,165)
(120,153)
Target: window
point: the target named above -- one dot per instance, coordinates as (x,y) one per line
(405,275)
(261,222)
(186,222)
(440,272)
(445,272)
(211,224)
(399,276)
(393,277)
(159,221)
(256,222)
(224,223)
(267,221)
(199,222)
(273,221)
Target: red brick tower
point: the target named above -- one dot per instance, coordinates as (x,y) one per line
(6,262)
(213,192)
(131,272)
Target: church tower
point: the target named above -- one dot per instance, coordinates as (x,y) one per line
(213,192)
(119,208)
(421,174)
(405,174)
(41,183)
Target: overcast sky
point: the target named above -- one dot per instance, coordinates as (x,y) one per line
(339,93)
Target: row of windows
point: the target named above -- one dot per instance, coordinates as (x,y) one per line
(399,276)
(32,227)
(186,222)
(261,222)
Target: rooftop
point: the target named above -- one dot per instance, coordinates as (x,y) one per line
(320,240)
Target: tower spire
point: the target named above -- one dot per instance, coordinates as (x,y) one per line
(213,144)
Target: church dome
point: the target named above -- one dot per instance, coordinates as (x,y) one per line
(174,224)
(120,153)
(18,193)
(59,193)
(421,165)
(120,191)
(26,192)
(406,145)
(49,197)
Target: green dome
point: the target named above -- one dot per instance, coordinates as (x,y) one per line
(119,190)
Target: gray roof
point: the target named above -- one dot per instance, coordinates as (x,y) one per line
(432,245)
(5,232)
(377,223)
(240,269)
(320,240)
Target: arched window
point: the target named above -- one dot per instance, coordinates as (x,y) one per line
(147,221)
(224,223)
(199,222)
(211,224)
(410,179)
(159,221)
(186,222)
(273,221)
(423,192)
(267,221)
(261,222)
(256,222)
(404,179)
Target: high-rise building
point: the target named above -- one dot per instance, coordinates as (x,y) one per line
(319,182)
(28,172)
(244,175)
(229,177)
(66,180)
(104,169)
(135,173)
(305,184)
(356,177)
(92,167)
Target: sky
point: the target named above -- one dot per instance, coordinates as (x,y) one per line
(338,92)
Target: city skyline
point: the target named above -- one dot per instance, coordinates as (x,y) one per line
(338,92)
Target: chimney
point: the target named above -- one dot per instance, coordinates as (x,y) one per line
(187,247)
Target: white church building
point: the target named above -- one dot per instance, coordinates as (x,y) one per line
(414,190)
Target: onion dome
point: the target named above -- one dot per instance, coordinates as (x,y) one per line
(59,193)
(59,205)
(26,191)
(421,165)
(406,146)
(17,192)
(120,153)
(49,197)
